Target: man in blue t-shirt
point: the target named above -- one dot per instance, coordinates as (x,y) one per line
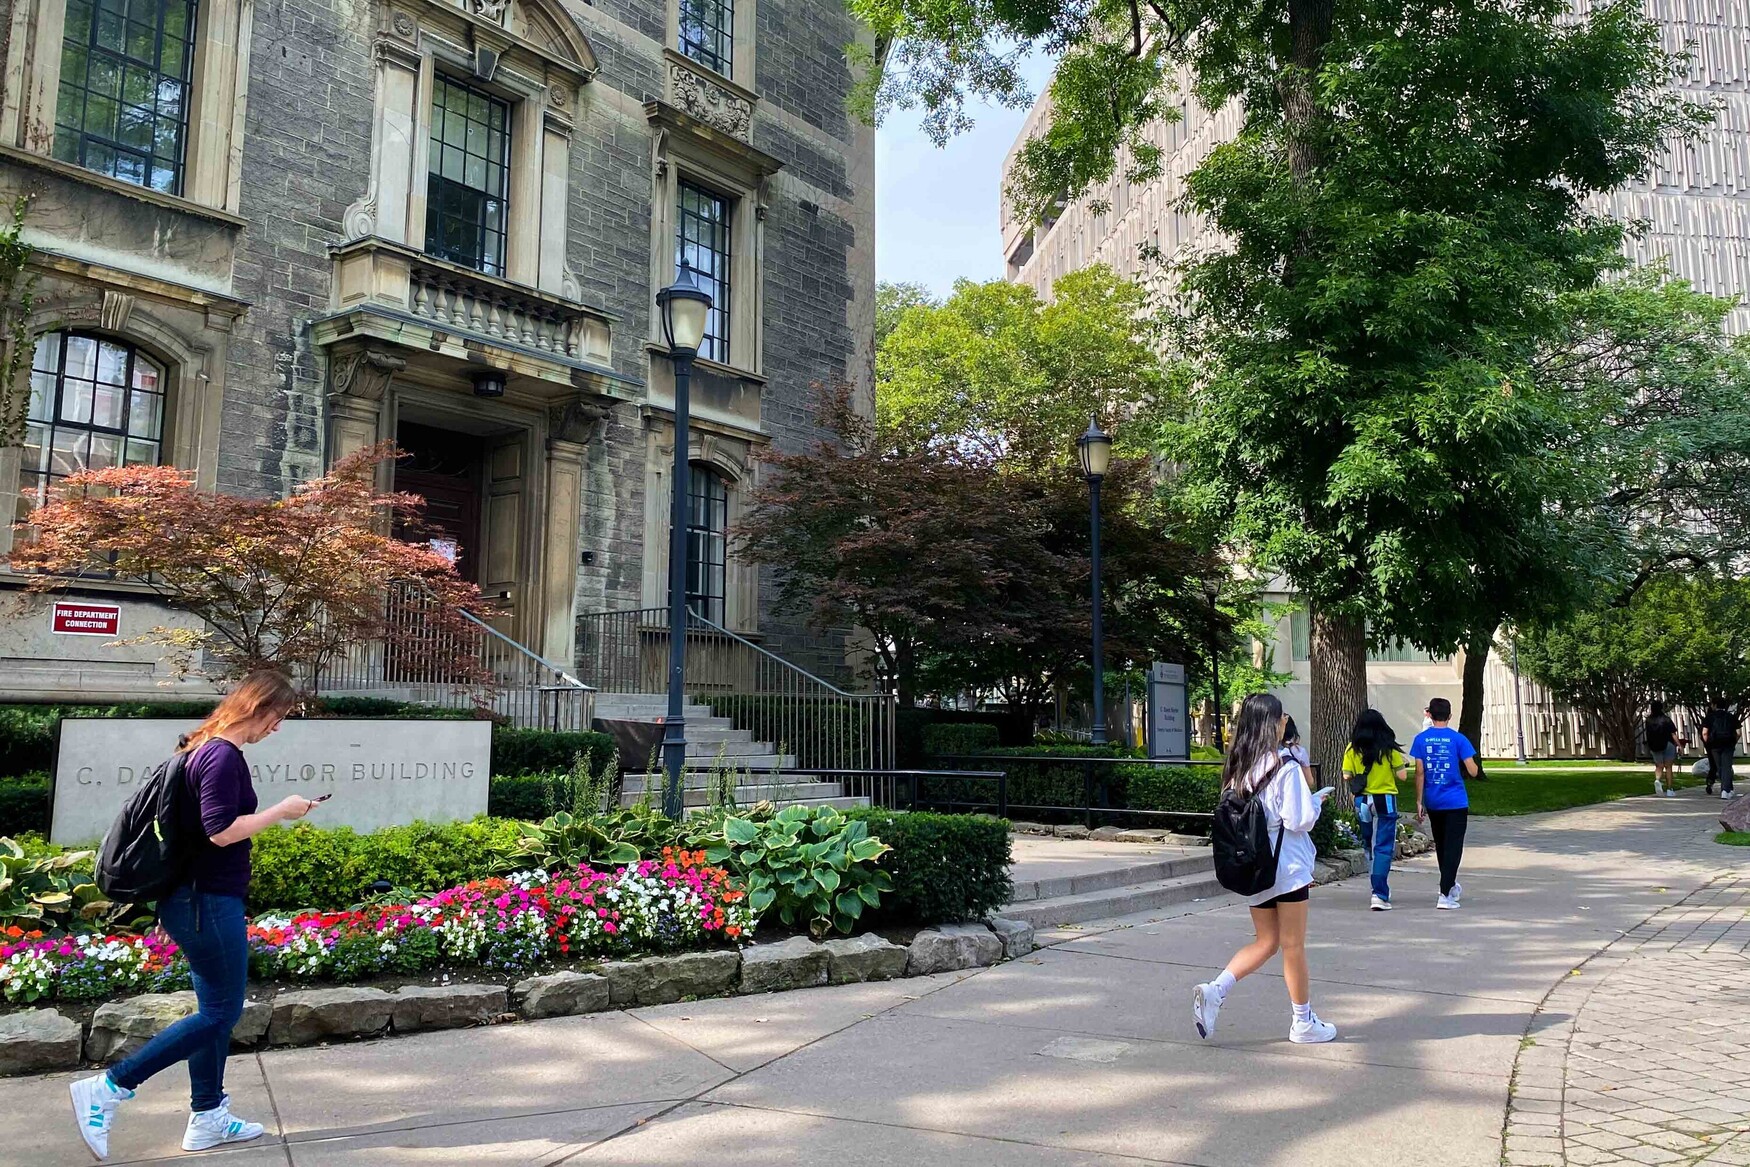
(1443,758)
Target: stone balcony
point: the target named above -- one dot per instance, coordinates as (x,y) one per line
(550,346)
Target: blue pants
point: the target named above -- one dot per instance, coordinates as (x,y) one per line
(213,933)
(1378,816)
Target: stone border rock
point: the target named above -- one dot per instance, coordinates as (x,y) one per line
(42,1040)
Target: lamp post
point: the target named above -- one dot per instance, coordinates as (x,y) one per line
(1212,589)
(684,307)
(1095,449)
(1518,706)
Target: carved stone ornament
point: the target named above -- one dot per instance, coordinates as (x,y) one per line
(568,284)
(492,10)
(117,307)
(363,373)
(559,97)
(659,153)
(711,104)
(575,420)
(360,219)
(403,25)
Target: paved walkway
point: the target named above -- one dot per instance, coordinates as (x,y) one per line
(1640,1057)
(1081,1055)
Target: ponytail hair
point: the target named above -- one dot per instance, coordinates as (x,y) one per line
(262,694)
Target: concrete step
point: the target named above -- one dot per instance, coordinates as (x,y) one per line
(835,803)
(1117,901)
(807,792)
(729,748)
(1026,891)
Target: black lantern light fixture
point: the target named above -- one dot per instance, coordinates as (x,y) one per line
(1095,450)
(489,383)
(684,308)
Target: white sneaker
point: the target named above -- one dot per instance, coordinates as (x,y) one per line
(1457,893)
(1205,1006)
(94,1103)
(215,1127)
(1658,789)
(1670,793)
(1312,1031)
(1727,795)
(1380,905)
(1446,904)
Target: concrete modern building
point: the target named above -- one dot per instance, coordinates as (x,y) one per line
(271,234)
(1695,206)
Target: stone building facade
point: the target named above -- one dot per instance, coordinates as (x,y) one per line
(269,234)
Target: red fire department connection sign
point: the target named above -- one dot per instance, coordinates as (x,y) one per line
(87,619)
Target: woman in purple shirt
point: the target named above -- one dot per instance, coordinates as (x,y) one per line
(206,919)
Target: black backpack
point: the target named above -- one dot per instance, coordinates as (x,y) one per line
(1245,858)
(148,847)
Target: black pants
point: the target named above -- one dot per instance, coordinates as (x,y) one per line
(1720,768)
(1448,827)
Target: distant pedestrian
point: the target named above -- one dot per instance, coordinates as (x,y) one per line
(1661,734)
(1719,733)
(205,918)
(1292,749)
(1443,758)
(1375,762)
(1256,765)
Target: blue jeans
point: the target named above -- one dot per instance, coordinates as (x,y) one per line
(213,933)
(1378,816)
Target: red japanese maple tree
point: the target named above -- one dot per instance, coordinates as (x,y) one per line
(291,583)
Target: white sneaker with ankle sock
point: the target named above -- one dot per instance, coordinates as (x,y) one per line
(1309,1030)
(218,1126)
(1206,1002)
(94,1103)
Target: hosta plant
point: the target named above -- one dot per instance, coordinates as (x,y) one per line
(49,892)
(811,865)
(567,840)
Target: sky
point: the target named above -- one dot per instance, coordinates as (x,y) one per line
(936,208)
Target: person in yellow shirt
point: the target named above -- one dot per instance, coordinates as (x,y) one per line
(1374,765)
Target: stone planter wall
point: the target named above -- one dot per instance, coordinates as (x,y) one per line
(40,1040)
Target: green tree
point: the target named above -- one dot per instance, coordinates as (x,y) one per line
(893,301)
(17,300)
(1404,205)
(1682,639)
(998,372)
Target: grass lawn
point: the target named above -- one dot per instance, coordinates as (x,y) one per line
(1512,789)
(1573,764)
(1733,838)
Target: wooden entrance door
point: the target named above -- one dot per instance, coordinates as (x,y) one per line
(445,469)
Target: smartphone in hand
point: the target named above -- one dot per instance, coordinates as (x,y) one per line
(323,797)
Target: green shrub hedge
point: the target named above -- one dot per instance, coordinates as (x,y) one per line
(946,868)
(1013,730)
(1187,788)
(517,752)
(24,804)
(305,866)
(968,737)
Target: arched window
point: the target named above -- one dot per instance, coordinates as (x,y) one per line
(93,403)
(707,524)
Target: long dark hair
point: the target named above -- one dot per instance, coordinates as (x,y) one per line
(1372,738)
(1257,734)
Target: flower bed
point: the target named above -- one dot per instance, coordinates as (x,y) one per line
(509,925)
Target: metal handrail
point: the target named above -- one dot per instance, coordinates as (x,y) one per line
(819,723)
(570,680)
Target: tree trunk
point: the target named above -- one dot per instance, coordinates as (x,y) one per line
(1309,31)
(1470,709)
(1620,724)
(1339,688)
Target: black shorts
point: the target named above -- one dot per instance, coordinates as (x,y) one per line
(1298,896)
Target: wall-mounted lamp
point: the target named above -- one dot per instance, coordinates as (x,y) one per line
(489,384)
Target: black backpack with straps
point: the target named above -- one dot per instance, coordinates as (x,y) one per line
(1245,856)
(147,850)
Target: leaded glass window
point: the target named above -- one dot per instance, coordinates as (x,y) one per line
(94,403)
(467,198)
(708,33)
(703,241)
(707,543)
(122,109)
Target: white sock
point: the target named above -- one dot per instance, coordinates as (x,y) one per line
(1224,984)
(1303,1012)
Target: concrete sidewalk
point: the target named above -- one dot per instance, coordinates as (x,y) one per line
(1082,1054)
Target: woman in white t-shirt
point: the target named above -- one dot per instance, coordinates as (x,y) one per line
(1257,764)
